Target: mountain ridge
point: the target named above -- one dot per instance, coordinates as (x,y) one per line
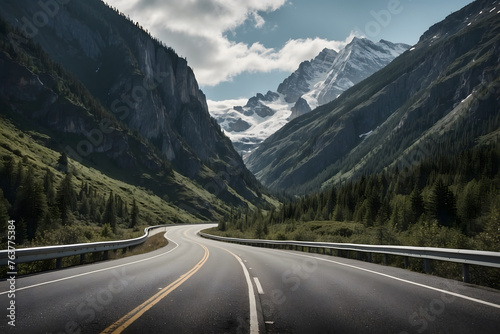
(148,89)
(316,81)
(387,119)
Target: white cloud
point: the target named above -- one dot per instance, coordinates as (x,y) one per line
(218,106)
(197,29)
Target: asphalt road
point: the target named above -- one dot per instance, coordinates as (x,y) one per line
(195,285)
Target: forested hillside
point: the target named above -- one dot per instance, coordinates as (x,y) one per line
(445,201)
(439,96)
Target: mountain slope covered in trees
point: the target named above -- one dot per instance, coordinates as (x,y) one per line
(446,200)
(439,96)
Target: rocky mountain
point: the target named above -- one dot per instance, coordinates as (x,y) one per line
(140,86)
(315,82)
(439,96)
(329,74)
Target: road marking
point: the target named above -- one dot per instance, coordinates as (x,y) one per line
(133,315)
(479,301)
(259,287)
(98,270)
(254,319)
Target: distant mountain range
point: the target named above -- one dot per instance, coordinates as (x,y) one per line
(314,83)
(440,96)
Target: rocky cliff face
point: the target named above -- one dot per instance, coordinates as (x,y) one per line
(442,90)
(309,72)
(141,81)
(316,82)
(34,97)
(356,62)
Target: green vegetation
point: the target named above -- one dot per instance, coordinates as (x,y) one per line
(118,151)
(409,110)
(152,243)
(450,201)
(457,196)
(55,200)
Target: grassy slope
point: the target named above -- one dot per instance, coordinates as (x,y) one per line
(28,147)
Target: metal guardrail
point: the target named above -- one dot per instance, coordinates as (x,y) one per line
(58,252)
(464,256)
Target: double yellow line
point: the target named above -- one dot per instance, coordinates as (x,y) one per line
(133,315)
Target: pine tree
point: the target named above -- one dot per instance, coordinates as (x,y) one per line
(31,203)
(110,212)
(222,226)
(84,205)
(442,205)
(106,231)
(372,208)
(62,162)
(417,203)
(20,174)
(66,199)
(48,186)
(21,231)
(259,230)
(7,178)
(330,203)
(4,214)
(134,215)
(469,205)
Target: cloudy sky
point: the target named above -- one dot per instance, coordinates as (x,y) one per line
(238,48)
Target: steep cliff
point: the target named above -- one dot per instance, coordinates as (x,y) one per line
(146,86)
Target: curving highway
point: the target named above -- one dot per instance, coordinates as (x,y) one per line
(195,285)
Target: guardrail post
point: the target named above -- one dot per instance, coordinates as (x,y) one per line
(59,263)
(369,257)
(386,259)
(82,258)
(106,255)
(358,255)
(427,266)
(407,262)
(465,273)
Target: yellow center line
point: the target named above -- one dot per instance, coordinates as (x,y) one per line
(133,315)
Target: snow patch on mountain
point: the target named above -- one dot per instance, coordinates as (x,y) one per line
(230,113)
(316,82)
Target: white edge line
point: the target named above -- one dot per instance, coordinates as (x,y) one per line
(254,320)
(405,281)
(258,285)
(95,271)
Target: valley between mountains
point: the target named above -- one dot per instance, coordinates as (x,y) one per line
(378,145)
(105,130)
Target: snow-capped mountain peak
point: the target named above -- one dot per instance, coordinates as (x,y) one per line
(315,82)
